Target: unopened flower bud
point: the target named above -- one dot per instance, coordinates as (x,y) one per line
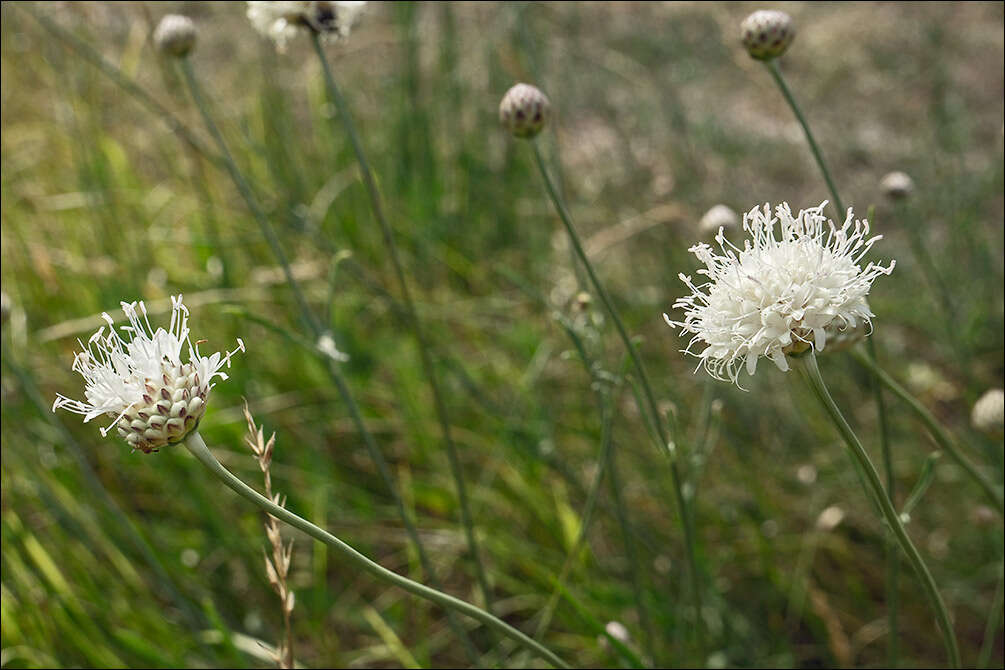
(897,185)
(988,415)
(175,35)
(524,110)
(718,217)
(767,33)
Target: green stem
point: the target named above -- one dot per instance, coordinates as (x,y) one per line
(247,194)
(424,349)
(942,438)
(195,444)
(808,366)
(772,66)
(311,322)
(666,441)
(892,557)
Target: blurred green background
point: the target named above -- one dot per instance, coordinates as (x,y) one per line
(119,559)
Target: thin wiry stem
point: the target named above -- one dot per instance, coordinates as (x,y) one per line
(424,350)
(941,436)
(892,558)
(666,442)
(314,327)
(195,444)
(776,74)
(807,364)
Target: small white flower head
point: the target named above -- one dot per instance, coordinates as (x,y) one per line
(897,185)
(796,283)
(282,21)
(175,35)
(767,33)
(718,217)
(155,399)
(988,415)
(524,110)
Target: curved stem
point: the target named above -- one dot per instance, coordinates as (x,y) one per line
(413,318)
(776,74)
(667,442)
(941,436)
(808,366)
(195,444)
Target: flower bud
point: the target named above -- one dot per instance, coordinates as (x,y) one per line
(988,415)
(767,33)
(524,110)
(718,217)
(175,35)
(897,185)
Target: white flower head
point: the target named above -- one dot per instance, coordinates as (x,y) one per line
(797,283)
(141,381)
(282,21)
(988,414)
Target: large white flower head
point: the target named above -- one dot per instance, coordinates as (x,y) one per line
(796,283)
(282,21)
(141,381)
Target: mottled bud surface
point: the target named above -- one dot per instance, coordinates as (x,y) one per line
(767,33)
(524,110)
(988,415)
(175,35)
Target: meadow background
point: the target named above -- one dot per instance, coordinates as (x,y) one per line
(119,559)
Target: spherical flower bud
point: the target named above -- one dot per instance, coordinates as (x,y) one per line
(155,397)
(988,415)
(524,110)
(718,217)
(175,35)
(897,185)
(767,33)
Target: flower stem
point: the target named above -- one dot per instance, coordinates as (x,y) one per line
(246,193)
(413,318)
(682,504)
(312,324)
(776,74)
(808,366)
(892,558)
(195,444)
(942,438)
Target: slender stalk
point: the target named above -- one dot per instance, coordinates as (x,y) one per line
(424,350)
(892,557)
(991,627)
(246,193)
(776,74)
(808,366)
(311,322)
(666,440)
(941,436)
(195,444)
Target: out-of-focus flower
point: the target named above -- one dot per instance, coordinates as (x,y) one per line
(155,399)
(524,110)
(282,21)
(175,35)
(718,217)
(796,283)
(767,33)
(897,185)
(988,415)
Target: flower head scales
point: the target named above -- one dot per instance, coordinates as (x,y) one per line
(282,21)
(796,283)
(155,398)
